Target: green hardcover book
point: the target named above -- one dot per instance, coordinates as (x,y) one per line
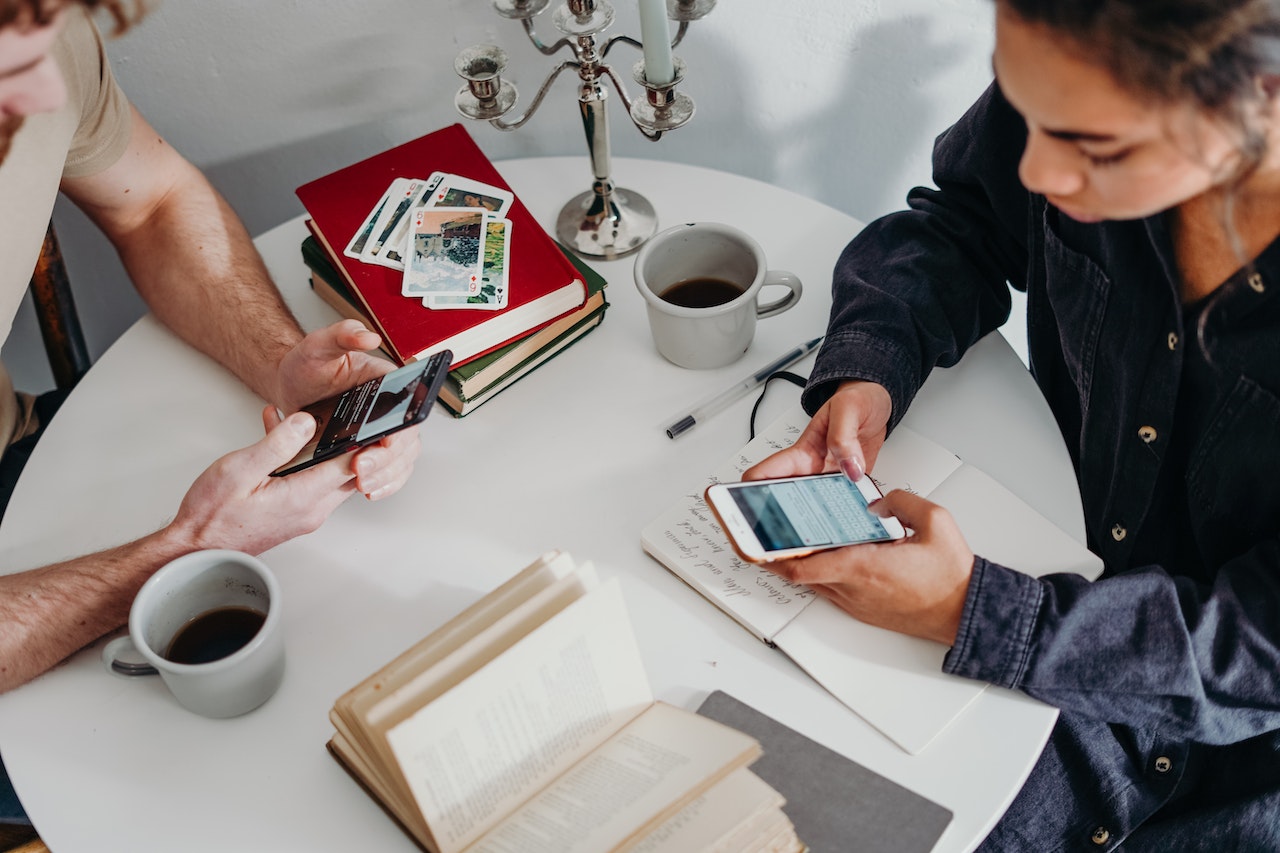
(461,405)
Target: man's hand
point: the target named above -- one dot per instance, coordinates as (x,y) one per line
(328,362)
(846,435)
(914,586)
(237,504)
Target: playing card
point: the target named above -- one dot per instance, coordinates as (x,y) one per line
(446,251)
(396,245)
(493,281)
(455,191)
(386,245)
(391,199)
(361,238)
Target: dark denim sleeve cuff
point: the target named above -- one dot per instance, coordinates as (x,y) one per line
(1000,612)
(851,355)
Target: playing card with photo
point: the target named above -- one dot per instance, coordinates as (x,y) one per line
(386,245)
(456,191)
(361,237)
(395,246)
(397,193)
(445,251)
(492,295)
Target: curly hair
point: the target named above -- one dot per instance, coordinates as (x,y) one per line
(1222,56)
(1213,53)
(123,13)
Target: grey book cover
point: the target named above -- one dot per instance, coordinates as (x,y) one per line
(836,804)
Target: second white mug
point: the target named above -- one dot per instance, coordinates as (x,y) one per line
(702,283)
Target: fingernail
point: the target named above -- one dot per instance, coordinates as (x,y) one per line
(300,422)
(877,507)
(852,468)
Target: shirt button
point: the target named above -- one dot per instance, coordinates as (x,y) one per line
(1173,340)
(1147,434)
(1255,281)
(1100,836)
(1118,532)
(1163,765)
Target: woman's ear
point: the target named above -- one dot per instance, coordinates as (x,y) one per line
(1269,86)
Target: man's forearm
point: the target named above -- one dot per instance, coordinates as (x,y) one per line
(198,270)
(49,613)
(190,257)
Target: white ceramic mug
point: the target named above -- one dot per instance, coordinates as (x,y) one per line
(717,334)
(220,680)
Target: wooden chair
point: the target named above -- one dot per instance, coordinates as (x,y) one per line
(56,312)
(69,359)
(15,840)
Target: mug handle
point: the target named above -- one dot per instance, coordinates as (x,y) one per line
(121,657)
(786,279)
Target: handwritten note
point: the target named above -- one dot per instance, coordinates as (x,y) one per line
(688,540)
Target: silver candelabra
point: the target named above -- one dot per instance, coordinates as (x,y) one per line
(606,221)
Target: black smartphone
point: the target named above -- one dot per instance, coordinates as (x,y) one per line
(365,413)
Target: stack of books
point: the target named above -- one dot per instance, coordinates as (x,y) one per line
(527,723)
(475,382)
(536,298)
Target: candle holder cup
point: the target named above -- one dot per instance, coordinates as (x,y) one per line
(606,221)
(486,95)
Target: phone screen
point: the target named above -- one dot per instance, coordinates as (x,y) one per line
(371,410)
(804,514)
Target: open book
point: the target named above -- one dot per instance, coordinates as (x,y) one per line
(527,724)
(893,681)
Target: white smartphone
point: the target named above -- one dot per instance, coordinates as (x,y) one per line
(769,520)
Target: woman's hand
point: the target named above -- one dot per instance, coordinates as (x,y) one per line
(914,586)
(846,434)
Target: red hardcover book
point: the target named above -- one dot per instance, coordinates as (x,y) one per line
(542,283)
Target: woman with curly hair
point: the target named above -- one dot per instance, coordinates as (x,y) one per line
(1124,171)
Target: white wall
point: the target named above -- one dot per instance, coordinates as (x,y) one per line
(836,99)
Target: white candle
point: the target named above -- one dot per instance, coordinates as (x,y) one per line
(656,37)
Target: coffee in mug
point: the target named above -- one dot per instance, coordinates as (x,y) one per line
(702,292)
(215,635)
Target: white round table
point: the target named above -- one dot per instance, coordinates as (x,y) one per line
(571,457)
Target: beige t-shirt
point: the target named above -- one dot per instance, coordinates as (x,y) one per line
(87,135)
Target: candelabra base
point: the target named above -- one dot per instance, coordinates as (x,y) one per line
(606,223)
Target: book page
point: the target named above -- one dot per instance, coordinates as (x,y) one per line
(478,751)
(713,819)
(390,707)
(641,776)
(450,637)
(688,540)
(524,608)
(892,681)
(998,525)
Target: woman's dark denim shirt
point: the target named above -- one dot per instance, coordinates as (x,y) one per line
(1173,426)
